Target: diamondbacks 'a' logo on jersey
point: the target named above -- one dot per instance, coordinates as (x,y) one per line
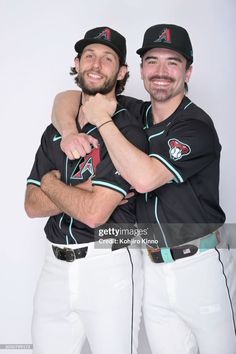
(164,37)
(86,167)
(105,34)
(178,149)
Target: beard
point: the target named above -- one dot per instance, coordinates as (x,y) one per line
(161,94)
(104,89)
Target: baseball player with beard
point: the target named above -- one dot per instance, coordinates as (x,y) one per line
(190,286)
(85,290)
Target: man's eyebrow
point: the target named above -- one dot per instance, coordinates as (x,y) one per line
(92,50)
(88,50)
(169,58)
(150,57)
(176,59)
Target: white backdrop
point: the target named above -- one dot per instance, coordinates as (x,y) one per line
(36,46)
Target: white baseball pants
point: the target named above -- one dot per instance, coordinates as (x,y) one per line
(98,297)
(189,305)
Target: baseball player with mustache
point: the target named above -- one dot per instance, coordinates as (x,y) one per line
(190,286)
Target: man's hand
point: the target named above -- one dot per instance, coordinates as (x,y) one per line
(76,145)
(98,109)
(49,179)
(126,199)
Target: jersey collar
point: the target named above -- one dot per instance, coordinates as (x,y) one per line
(149,117)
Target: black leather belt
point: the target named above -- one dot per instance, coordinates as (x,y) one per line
(70,255)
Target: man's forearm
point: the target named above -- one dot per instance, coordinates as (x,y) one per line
(127,158)
(83,204)
(132,162)
(37,203)
(71,200)
(64,112)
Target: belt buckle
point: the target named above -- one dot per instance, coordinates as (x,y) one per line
(69,254)
(155,254)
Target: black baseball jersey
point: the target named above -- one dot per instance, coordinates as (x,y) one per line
(62,228)
(187,144)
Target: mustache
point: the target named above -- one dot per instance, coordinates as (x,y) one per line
(162,77)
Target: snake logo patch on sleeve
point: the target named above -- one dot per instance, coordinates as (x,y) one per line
(178,149)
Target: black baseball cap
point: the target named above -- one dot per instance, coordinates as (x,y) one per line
(167,36)
(106,36)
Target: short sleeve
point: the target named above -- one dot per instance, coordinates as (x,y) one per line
(42,163)
(188,147)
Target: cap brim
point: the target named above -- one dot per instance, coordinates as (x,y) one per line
(142,51)
(80,45)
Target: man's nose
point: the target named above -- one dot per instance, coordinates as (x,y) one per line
(162,68)
(97,62)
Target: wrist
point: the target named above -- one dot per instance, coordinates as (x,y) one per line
(102,119)
(106,122)
(69,129)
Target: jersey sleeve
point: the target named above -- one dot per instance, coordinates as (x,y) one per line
(106,173)
(42,163)
(188,147)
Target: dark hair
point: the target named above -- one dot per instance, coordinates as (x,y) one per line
(120,85)
(188,64)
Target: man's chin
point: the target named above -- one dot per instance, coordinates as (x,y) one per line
(160,95)
(94,91)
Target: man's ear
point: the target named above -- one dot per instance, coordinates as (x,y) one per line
(76,61)
(188,74)
(141,71)
(123,70)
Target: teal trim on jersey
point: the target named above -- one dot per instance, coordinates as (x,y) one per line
(67,240)
(66,169)
(154,135)
(166,255)
(156,216)
(60,221)
(70,229)
(91,130)
(122,109)
(146,114)
(188,105)
(170,167)
(146,194)
(56,137)
(33,181)
(109,185)
(174,180)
